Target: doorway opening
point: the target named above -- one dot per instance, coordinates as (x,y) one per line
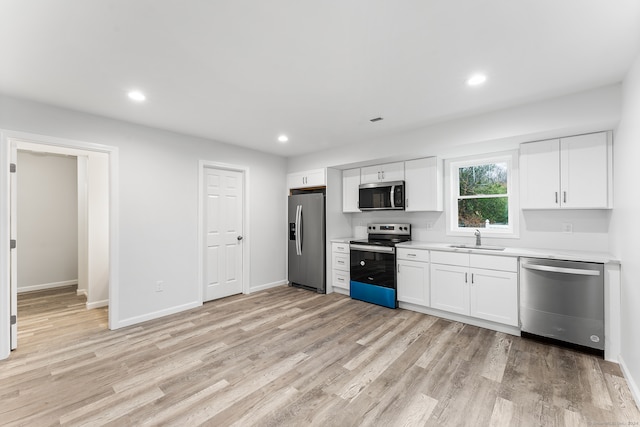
(96,232)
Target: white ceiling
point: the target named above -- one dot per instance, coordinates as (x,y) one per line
(243,72)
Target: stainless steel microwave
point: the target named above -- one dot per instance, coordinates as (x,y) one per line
(381,196)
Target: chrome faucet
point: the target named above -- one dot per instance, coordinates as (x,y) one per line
(478,237)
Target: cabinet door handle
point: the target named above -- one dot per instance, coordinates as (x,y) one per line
(412,255)
(564,197)
(556,197)
(406,203)
(472,278)
(378,175)
(382,174)
(398,268)
(465,278)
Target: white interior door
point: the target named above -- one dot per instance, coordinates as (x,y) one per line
(223,228)
(13,275)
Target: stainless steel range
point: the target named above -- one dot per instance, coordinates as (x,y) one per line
(373,264)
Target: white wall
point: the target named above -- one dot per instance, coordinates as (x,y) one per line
(48,222)
(83,225)
(589,111)
(97,248)
(594,110)
(158,201)
(625,231)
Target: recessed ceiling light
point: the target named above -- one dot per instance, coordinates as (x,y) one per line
(136,95)
(476,79)
(283,138)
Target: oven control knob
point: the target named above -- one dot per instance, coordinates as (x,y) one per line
(362,263)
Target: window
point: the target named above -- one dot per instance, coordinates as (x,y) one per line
(482,195)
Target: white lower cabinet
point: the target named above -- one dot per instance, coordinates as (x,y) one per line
(340,266)
(413,276)
(494,296)
(450,288)
(459,286)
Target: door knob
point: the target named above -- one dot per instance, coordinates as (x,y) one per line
(239,238)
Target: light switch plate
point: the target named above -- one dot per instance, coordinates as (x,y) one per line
(567,227)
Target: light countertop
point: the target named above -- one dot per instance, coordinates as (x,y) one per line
(341,239)
(586,256)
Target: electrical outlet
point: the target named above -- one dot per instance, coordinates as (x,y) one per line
(567,227)
(159,286)
(429,225)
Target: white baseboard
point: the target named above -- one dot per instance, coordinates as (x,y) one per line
(268,285)
(633,386)
(47,286)
(97,304)
(156,314)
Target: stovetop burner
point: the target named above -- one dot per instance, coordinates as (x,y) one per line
(386,234)
(380,242)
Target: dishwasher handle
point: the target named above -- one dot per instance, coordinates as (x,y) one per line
(565,270)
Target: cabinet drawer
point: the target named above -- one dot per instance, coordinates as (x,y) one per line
(451,258)
(341,279)
(340,247)
(492,262)
(413,254)
(341,262)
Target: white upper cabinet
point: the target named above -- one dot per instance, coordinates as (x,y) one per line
(307,179)
(382,173)
(350,190)
(573,173)
(423,184)
(585,171)
(540,174)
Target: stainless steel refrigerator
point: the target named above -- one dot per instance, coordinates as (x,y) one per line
(307,241)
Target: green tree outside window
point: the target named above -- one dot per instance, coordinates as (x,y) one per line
(483,199)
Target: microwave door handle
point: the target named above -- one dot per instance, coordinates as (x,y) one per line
(392,196)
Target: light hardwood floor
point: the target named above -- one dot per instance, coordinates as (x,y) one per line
(289,357)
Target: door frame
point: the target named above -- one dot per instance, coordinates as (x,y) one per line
(6,137)
(203,165)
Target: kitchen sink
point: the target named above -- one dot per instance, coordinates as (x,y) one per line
(481,247)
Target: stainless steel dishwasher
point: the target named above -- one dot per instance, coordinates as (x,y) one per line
(563,301)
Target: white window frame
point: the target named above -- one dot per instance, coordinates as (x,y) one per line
(452,188)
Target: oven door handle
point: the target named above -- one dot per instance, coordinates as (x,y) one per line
(365,248)
(565,270)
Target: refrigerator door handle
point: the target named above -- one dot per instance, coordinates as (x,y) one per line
(298,230)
